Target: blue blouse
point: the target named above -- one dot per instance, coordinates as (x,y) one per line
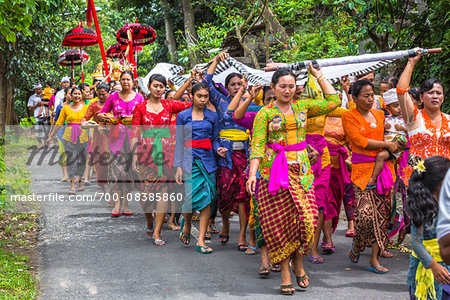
(188,129)
(60,132)
(221,103)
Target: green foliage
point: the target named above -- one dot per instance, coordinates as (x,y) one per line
(15,177)
(319,39)
(16,281)
(32,55)
(16,17)
(399,25)
(209,37)
(317,29)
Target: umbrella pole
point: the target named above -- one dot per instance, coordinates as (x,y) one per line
(100,41)
(136,58)
(82,72)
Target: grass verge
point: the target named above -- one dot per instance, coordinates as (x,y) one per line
(18,255)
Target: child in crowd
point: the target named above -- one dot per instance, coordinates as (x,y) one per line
(395,130)
(428,276)
(48,93)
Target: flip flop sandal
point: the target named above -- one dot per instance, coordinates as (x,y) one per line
(159,242)
(127,213)
(374,269)
(300,280)
(72,192)
(214,229)
(149,232)
(223,239)
(253,252)
(316,259)
(276,268)
(328,248)
(350,233)
(115,215)
(264,272)
(187,239)
(356,255)
(242,247)
(287,289)
(199,249)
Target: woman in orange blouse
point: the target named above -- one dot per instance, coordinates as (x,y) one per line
(100,150)
(428,128)
(364,129)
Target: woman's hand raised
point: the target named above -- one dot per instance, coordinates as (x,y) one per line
(222,56)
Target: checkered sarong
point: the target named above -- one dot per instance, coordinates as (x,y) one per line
(42,128)
(289,219)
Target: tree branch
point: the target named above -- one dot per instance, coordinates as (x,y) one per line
(401,25)
(246,47)
(257,19)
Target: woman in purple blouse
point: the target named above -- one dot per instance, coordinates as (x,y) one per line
(120,174)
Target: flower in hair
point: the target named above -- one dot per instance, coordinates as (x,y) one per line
(420,167)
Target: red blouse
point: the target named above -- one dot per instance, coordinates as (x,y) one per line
(143,120)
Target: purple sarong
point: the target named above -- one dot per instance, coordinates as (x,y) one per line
(342,152)
(318,142)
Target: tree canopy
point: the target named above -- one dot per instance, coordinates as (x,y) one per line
(193,31)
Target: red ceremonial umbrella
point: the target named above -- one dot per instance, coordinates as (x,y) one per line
(73,57)
(116,50)
(80,37)
(133,35)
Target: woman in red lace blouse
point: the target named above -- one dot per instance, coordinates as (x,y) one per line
(154,141)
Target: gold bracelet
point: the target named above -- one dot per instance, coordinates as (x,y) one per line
(321,77)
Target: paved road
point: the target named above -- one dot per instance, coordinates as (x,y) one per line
(85,254)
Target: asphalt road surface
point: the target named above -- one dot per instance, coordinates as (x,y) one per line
(86,254)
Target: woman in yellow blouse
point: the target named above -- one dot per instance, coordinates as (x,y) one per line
(315,130)
(287,208)
(74,139)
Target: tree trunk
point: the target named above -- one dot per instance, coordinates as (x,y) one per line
(3,92)
(189,28)
(266,35)
(278,28)
(170,39)
(247,48)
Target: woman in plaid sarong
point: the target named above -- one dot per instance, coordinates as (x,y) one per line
(287,209)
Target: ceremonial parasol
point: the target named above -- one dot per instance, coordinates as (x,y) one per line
(116,50)
(80,37)
(135,34)
(73,57)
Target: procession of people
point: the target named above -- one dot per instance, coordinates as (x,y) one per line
(284,164)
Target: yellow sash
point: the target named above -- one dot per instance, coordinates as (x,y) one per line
(234,135)
(425,277)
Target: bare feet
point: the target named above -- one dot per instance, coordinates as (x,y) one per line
(386,254)
(174,227)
